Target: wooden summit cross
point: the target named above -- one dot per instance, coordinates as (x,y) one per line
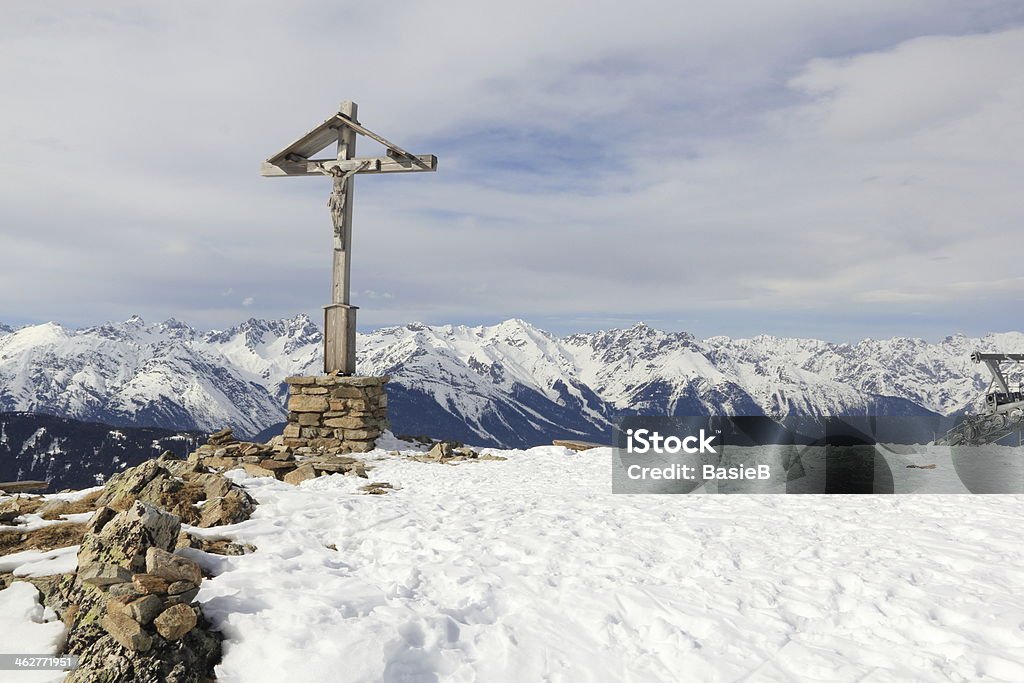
(294,160)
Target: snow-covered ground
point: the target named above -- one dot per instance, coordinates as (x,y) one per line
(531,570)
(27,628)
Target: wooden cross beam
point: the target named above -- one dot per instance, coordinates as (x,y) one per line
(296,160)
(300,167)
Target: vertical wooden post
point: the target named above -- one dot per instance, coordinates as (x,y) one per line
(340,316)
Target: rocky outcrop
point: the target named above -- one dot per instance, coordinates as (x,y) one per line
(129,611)
(450,452)
(129,608)
(223,452)
(184,488)
(377,488)
(276,459)
(114,550)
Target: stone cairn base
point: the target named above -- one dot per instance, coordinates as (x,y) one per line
(336,413)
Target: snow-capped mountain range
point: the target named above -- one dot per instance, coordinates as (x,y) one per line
(509,384)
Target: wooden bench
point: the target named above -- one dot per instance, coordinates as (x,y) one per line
(574,445)
(23,486)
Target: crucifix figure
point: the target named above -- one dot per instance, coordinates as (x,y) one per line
(336,203)
(295,160)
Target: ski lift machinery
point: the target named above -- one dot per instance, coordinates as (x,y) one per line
(1004,408)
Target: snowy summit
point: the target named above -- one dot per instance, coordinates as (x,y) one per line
(528,569)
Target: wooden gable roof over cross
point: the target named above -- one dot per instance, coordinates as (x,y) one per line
(296,159)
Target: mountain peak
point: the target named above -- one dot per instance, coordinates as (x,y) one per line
(515,324)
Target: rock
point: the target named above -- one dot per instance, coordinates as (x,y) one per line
(185,598)
(307,404)
(172,567)
(221,546)
(190,660)
(220,463)
(345,422)
(168,492)
(175,621)
(213,485)
(358,470)
(105,626)
(163,483)
(300,474)
(254,470)
(325,444)
(119,603)
(331,467)
(377,488)
(233,507)
(124,540)
(103,574)
(125,590)
(143,610)
(147,583)
(53,509)
(127,632)
(179,587)
(99,519)
(363,381)
(342,459)
(221,437)
(184,468)
(361,434)
(124,487)
(280,467)
(441,451)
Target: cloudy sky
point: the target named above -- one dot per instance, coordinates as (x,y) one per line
(797,167)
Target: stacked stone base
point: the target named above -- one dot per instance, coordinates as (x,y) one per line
(336,413)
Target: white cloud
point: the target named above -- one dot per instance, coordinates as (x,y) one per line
(825,161)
